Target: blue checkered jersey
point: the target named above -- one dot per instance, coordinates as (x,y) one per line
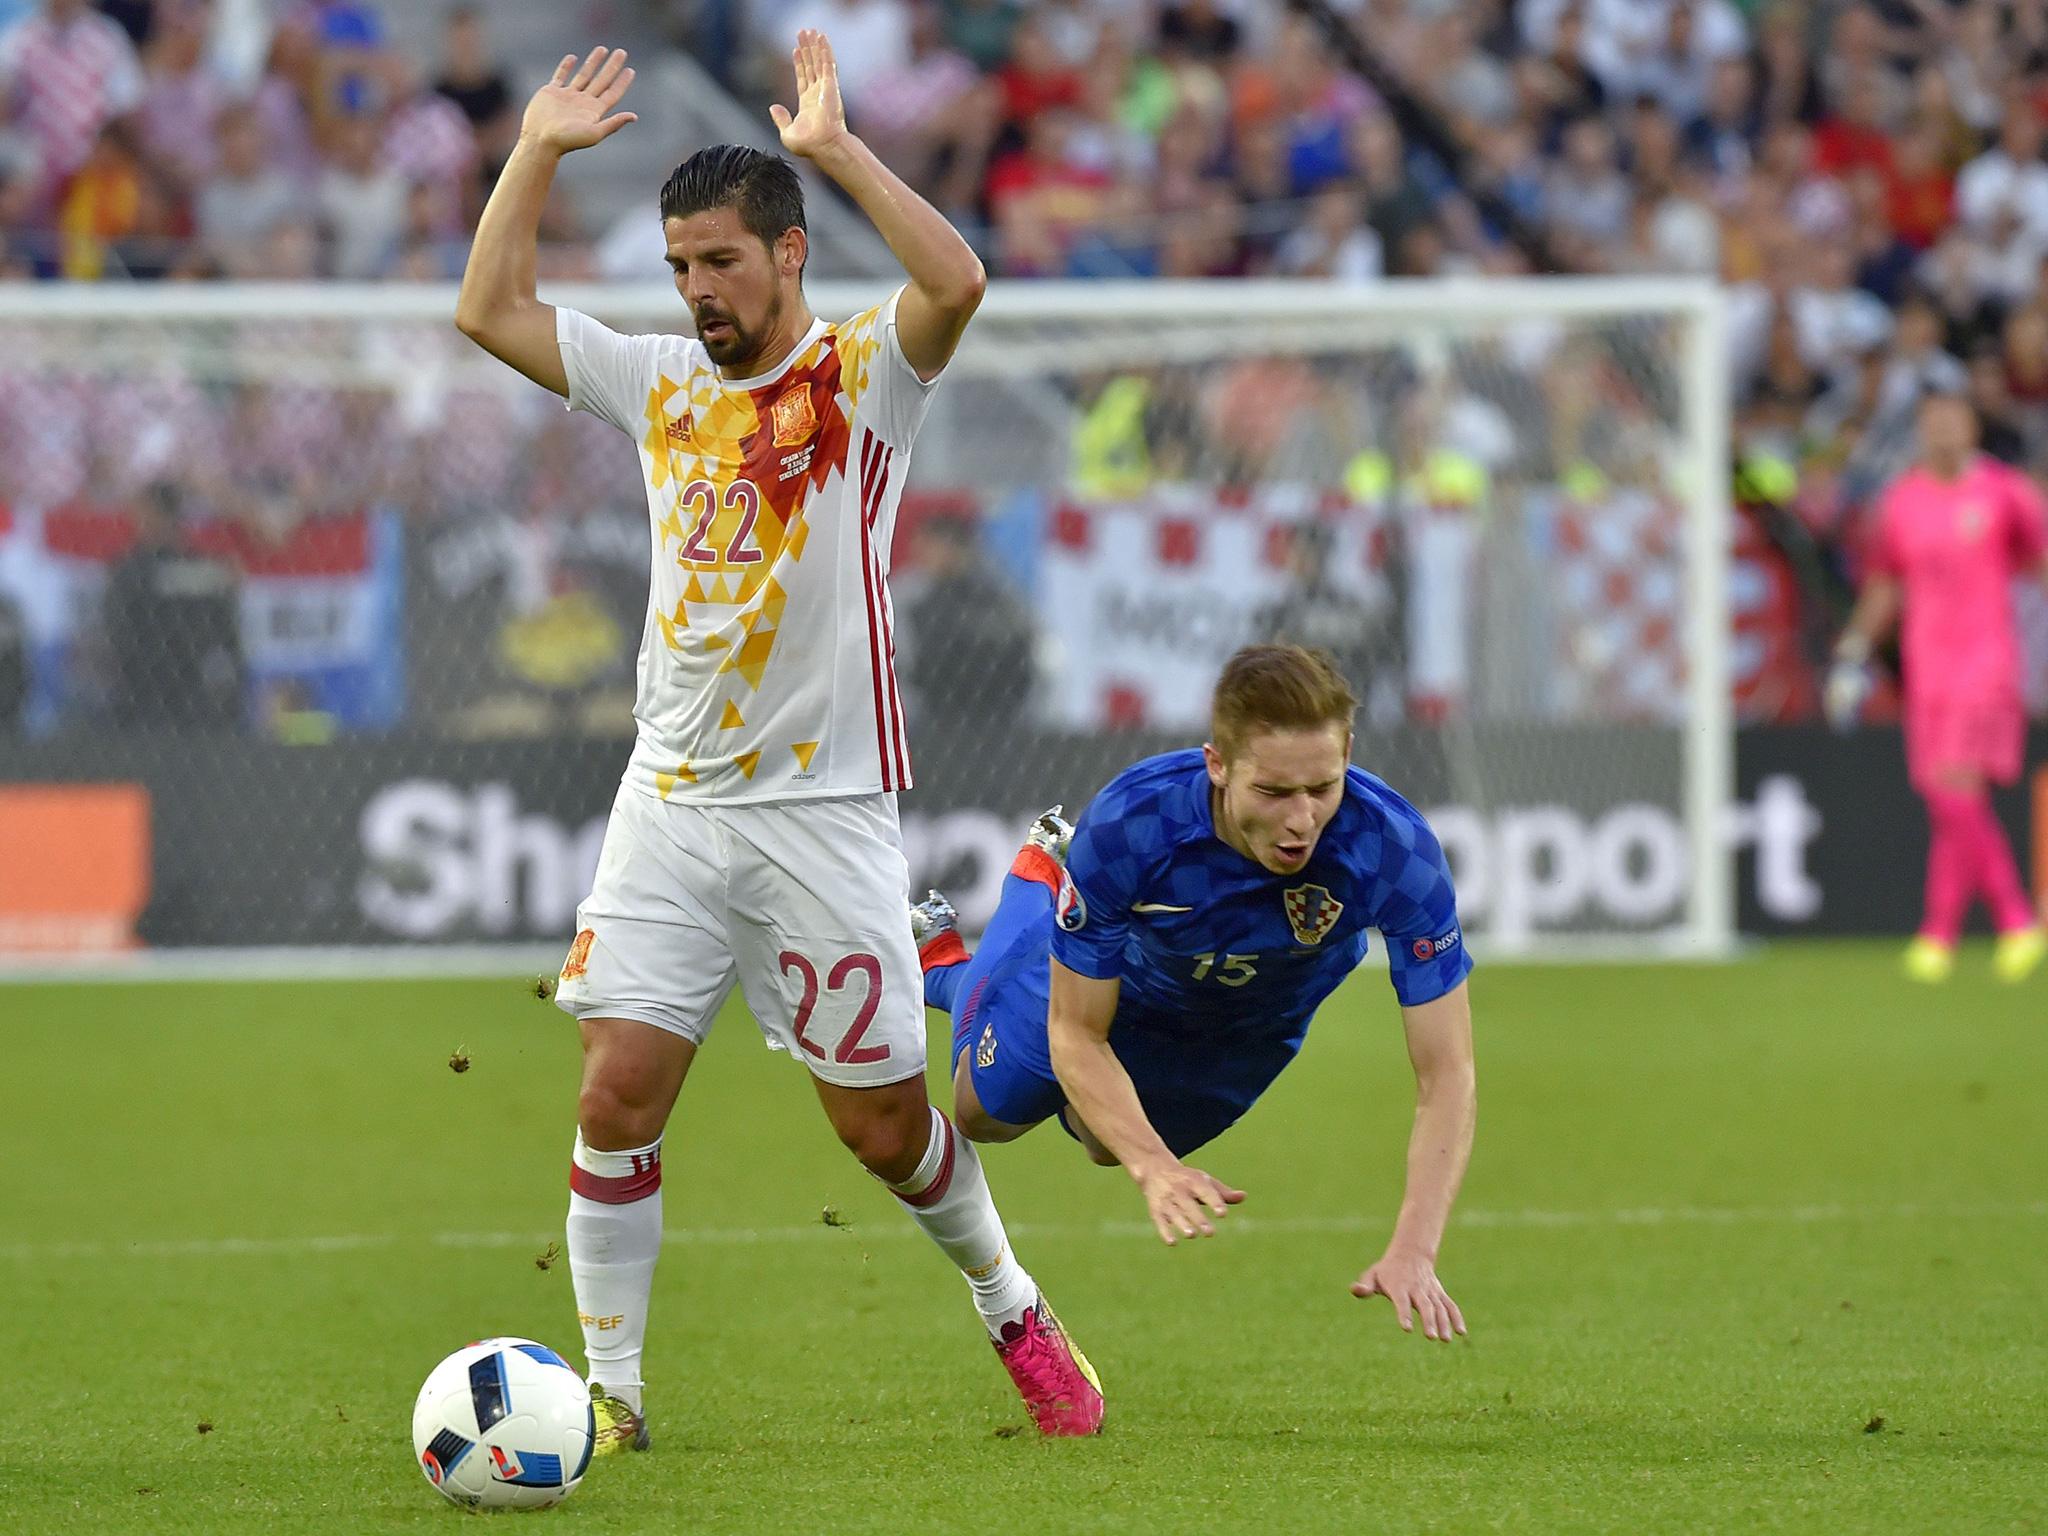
(1208,943)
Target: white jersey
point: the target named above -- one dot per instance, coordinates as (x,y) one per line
(767,667)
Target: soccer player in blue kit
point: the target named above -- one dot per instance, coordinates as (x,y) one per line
(1148,987)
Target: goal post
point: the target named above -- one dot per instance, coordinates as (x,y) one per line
(400,716)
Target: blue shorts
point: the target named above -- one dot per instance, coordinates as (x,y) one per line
(1190,1099)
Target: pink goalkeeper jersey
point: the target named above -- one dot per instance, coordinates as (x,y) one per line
(1956,546)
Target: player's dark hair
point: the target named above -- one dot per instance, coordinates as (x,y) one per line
(762,187)
(1277,688)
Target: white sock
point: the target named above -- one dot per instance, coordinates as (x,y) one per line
(948,1197)
(614,1239)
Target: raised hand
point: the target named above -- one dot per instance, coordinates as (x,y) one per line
(571,110)
(1180,1200)
(820,115)
(1409,1281)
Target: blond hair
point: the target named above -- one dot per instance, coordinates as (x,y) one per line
(1277,688)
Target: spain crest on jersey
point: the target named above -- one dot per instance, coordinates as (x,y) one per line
(794,416)
(1312,912)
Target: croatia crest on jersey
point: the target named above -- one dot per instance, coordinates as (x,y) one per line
(1311,912)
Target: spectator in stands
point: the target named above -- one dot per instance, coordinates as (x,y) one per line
(478,85)
(1042,197)
(1200,30)
(1920,189)
(1975,65)
(2002,200)
(1334,242)
(982,30)
(1858,136)
(931,118)
(173,626)
(1588,198)
(182,99)
(428,141)
(247,197)
(362,202)
(21,254)
(1395,202)
(1722,139)
(1788,85)
(1998,427)
(64,75)
(870,39)
(100,205)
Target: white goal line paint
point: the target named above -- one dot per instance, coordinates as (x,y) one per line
(864,1231)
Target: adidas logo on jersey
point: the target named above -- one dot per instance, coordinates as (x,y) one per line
(679,430)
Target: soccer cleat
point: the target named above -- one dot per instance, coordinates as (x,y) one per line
(935,928)
(931,917)
(2019,953)
(1056,1381)
(1051,833)
(618,1427)
(1928,960)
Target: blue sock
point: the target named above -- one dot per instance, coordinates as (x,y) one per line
(1023,901)
(942,984)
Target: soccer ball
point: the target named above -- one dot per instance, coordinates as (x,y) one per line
(504,1424)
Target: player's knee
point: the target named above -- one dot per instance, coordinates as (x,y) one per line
(888,1146)
(614,1112)
(1100,1156)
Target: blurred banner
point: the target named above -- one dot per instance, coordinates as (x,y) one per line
(423,840)
(1435,593)
(305,615)
(1146,598)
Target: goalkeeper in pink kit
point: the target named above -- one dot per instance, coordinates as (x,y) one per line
(1952,534)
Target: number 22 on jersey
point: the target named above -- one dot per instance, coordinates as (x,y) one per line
(740,497)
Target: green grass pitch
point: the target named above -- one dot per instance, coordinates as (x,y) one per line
(1759,1247)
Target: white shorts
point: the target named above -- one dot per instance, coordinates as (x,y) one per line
(804,903)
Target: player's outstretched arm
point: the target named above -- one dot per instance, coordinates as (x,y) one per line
(497,308)
(1179,1198)
(1439,1146)
(946,277)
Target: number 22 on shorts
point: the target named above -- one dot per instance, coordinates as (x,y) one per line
(849,1052)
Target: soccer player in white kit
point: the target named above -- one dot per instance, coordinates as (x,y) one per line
(755,838)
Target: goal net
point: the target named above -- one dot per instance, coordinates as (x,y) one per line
(323,624)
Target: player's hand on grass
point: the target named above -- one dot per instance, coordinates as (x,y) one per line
(1409,1281)
(1181,1200)
(820,115)
(574,109)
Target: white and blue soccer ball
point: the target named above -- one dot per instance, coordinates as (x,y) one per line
(503,1424)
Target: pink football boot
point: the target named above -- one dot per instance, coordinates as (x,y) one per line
(1057,1383)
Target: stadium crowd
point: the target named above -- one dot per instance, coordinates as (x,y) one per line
(1867,176)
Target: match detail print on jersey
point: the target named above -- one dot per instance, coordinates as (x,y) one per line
(767,664)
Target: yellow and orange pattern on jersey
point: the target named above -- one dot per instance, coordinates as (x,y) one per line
(766,670)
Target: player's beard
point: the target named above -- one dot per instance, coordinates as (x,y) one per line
(739,344)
